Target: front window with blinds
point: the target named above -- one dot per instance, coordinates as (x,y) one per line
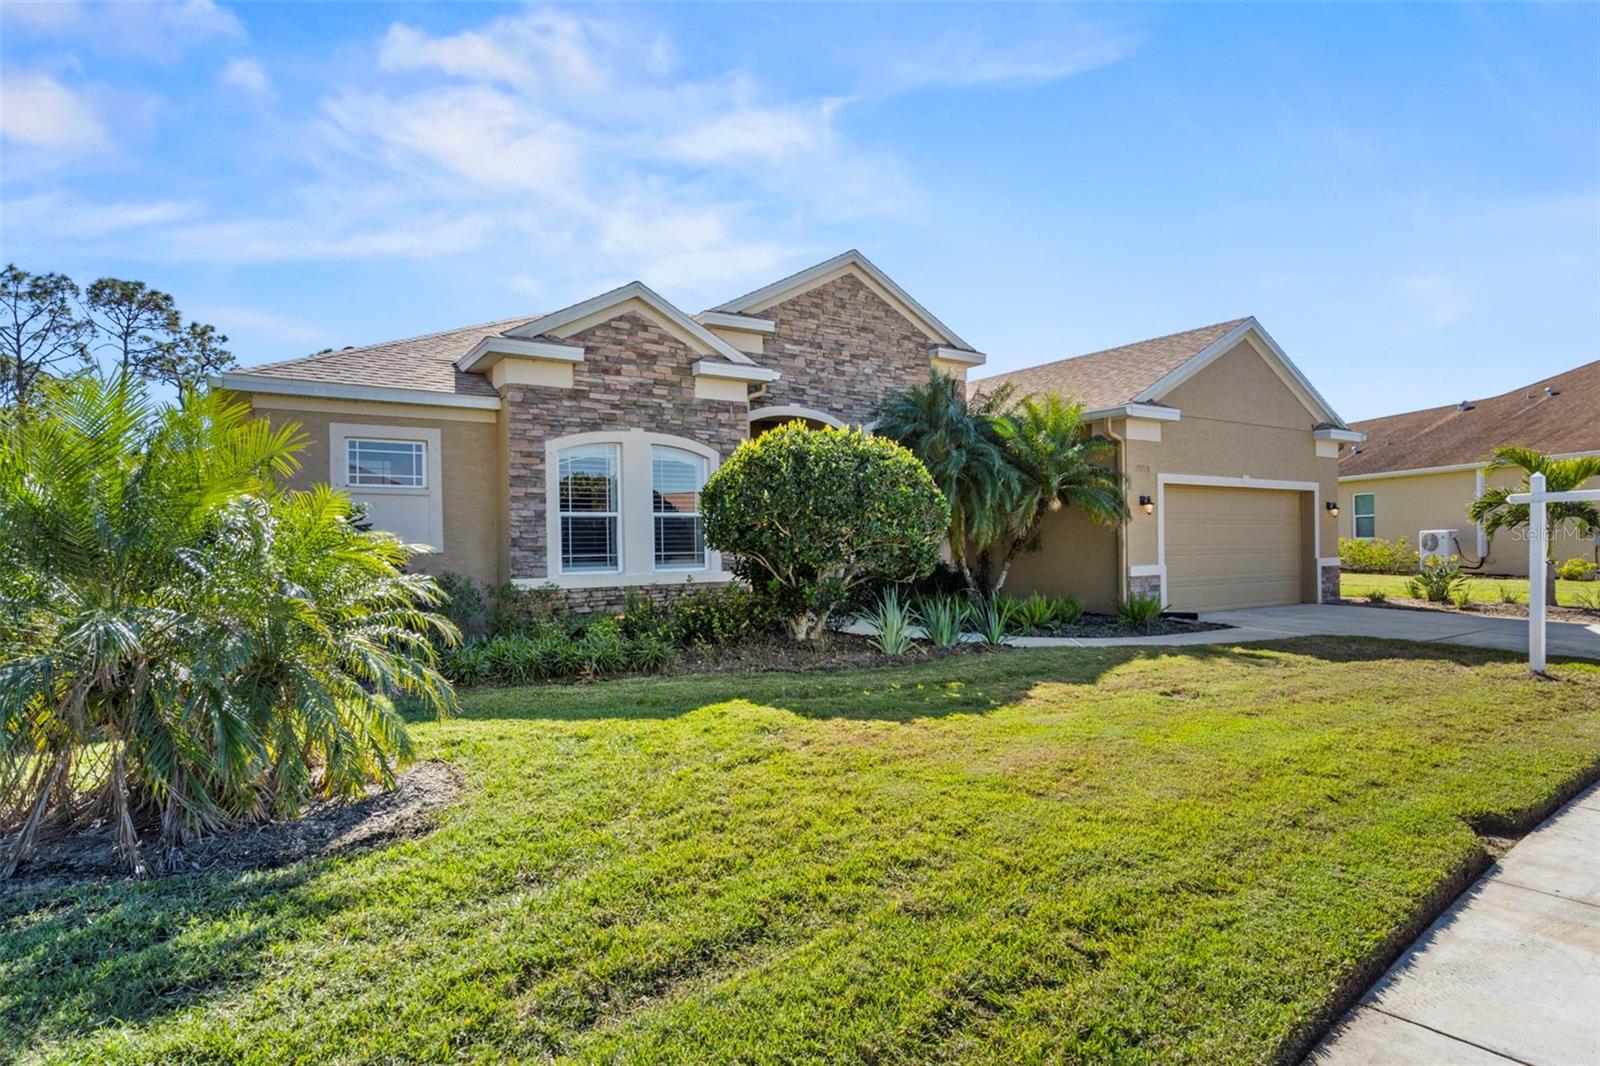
(1365,515)
(394,463)
(676,478)
(588,498)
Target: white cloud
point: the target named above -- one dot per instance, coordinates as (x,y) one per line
(40,112)
(248,76)
(159,31)
(549,48)
(65,216)
(757,134)
(964,57)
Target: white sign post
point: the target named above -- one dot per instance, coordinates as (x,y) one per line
(1536,498)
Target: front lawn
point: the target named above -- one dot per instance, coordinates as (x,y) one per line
(1087,854)
(1481,589)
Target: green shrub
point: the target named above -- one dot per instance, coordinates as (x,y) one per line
(1438,580)
(891,622)
(720,616)
(1510,594)
(1139,610)
(943,615)
(1577,568)
(992,619)
(1034,612)
(1068,609)
(1461,595)
(1588,597)
(651,653)
(1378,556)
(812,514)
(1377,596)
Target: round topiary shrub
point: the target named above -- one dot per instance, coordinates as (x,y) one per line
(812,514)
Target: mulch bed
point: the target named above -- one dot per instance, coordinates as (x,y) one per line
(328,828)
(1105,625)
(1496,610)
(837,652)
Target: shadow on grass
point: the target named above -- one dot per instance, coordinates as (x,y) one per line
(975,684)
(73,960)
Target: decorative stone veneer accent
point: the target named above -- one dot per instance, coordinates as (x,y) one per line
(611,599)
(839,349)
(635,375)
(1330,582)
(1145,585)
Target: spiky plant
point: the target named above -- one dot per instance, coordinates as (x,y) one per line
(1495,512)
(181,643)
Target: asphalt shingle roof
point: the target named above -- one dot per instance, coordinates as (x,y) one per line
(426,362)
(1568,421)
(1114,376)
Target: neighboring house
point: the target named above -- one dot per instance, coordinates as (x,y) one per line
(1421,470)
(1230,457)
(570,448)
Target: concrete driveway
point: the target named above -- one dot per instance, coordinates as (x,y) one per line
(1445,627)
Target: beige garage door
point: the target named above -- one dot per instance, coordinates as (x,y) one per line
(1232,547)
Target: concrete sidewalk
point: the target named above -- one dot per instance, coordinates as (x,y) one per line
(1313,619)
(1509,974)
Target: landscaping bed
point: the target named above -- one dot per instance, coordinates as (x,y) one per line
(327,828)
(1105,625)
(1062,854)
(1558,613)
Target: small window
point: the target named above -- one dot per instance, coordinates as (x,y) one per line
(1365,515)
(676,478)
(395,463)
(588,505)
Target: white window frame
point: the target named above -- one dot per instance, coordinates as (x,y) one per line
(559,555)
(349,465)
(429,496)
(696,514)
(636,547)
(1356,515)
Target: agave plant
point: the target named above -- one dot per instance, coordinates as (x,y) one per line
(891,623)
(185,645)
(942,616)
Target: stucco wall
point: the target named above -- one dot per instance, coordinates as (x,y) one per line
(472,532)
(840,348)
(1076,557)
(1238,420)
(1404,506)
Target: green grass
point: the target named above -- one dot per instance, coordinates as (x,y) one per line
(1081,854)
(1482,589)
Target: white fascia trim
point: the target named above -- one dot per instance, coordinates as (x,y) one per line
(743,323)
(1208,480)
(850,258)
(1203,358)
(1421,471)
(1150,411)
(708,368)
(957,355)
(245,382)
(1348,436)
(795,411)
(516,346)
(1330,560)
(1148,570)
(634,290)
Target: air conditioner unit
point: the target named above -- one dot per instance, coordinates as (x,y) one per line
(1440,542)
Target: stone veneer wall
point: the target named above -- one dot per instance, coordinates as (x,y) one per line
(1145,585)
(1330,583)
(635,375)
(839,349)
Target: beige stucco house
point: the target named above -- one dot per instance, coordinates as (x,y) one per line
(1420,471)
(568,449)
(1231,460)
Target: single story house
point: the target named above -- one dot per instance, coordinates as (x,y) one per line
(1230,457)
(1419,471)
(569,448)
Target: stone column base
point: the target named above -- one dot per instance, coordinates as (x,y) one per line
(1330,583)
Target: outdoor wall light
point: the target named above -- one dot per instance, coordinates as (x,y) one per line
(1148,504)
(1332,508)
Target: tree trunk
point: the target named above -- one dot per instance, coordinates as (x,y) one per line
(1550,581)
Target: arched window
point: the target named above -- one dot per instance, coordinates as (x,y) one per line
(676,478)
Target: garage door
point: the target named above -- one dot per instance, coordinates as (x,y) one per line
(1232,547)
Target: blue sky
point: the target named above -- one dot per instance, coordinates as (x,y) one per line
(1407,197)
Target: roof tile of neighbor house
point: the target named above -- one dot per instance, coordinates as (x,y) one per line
(1114,376)
(1566,422)
(426,362)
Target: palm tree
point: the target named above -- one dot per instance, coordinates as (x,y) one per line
(1494,513)
(1056,465)
(185,645)
(958,439)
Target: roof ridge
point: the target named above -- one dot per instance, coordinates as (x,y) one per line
(524,319)
(1510,393)
(1231,324)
